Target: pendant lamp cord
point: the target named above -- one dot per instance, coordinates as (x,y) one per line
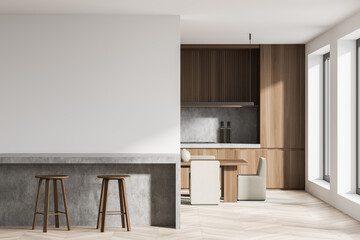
(250,67)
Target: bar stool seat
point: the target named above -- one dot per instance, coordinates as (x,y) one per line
(113,177)
(56,211)
(57,177)
(124,210)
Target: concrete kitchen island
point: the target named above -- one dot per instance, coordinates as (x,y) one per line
(153,190)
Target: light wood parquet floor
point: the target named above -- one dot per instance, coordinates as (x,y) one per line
(285,215)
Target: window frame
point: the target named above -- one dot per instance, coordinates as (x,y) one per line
(326,116)
(357,117)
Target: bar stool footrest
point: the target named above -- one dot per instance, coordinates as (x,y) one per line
(114,213)
(51,213)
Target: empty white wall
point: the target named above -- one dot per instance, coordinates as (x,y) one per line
(346,68)
(341,192)
(89,84)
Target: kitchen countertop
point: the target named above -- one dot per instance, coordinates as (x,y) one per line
(220,145)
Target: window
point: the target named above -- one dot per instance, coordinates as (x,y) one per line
(326,84)
(358,117)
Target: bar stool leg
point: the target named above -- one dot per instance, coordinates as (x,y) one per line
(103,220)
(46,205)
(37,203)
(65,204)
(100,205)
(121,204)
(56,204)
(126,206)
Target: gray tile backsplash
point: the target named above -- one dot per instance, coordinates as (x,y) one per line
(202,124)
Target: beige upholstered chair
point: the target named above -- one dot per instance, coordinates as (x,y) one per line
(204,182)
(253,186)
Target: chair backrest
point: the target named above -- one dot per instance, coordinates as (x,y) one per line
(261,170)
(204,182)
(205,168)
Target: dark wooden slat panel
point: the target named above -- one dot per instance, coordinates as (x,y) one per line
(219,46)
(255,72)
(219,75)
(187,78)
(204,75)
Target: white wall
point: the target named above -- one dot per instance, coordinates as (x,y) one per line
(346,68)
(341,191)
(89,84)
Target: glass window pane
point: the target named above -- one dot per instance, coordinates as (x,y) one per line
(326,122)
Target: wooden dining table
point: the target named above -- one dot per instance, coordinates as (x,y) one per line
(228,176)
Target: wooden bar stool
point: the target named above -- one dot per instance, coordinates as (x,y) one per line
(124,210)
(56,211)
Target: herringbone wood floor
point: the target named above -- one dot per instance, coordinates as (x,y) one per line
(285,215)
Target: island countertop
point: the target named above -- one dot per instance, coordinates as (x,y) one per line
(89,158)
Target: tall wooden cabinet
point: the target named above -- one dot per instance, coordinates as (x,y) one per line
(282,96)
(282,113)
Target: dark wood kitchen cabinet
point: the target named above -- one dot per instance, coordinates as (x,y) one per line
(220,75)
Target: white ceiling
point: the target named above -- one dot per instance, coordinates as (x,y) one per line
(214,21)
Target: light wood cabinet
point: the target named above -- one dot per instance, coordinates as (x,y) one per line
(185,178)
(282,96)
(285,168)
(203,151)
(275,169)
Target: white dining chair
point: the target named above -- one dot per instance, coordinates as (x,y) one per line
(253,186)
(204,182)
